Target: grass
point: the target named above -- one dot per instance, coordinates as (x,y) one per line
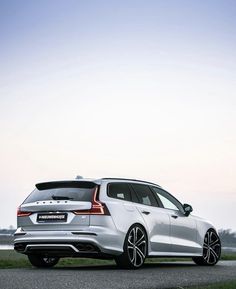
(228,257)
(11,259)
(225,285)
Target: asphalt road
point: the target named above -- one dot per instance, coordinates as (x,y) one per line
(162,275)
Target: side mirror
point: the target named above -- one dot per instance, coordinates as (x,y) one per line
(187,209)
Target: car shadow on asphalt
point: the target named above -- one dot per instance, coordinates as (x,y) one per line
(114,267)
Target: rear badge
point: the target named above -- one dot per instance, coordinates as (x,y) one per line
(43,218)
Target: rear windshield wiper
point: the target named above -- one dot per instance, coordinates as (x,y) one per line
(61,198)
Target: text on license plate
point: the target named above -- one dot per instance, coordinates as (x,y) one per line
(52,217)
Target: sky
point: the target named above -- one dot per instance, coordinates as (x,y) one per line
(135,89)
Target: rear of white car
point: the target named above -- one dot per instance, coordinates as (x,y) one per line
(65,219)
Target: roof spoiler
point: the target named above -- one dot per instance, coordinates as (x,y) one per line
(65,184)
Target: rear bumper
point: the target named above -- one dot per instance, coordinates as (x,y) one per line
(93,242)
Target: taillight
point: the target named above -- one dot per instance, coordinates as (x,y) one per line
(97,208)
(22,213)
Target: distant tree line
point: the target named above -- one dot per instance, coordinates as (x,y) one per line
(228,237)
(7,231)
(6,236)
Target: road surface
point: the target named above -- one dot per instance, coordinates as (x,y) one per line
(160,275)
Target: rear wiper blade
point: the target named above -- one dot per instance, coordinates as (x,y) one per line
(61,198)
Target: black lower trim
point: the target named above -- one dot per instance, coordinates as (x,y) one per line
(83,248)
(84,233)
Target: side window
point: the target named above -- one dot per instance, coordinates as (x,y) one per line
(145,195)
(167,200)
(119,191)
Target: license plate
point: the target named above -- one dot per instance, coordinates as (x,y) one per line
(43,218)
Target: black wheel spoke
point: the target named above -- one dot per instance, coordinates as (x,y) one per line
(140,253)
(216,242)
(207,257)
(135,234)
(135,257)
(130,243)
(213,253)
(140,240)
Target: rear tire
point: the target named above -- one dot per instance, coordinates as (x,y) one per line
(211,250)
(135,249)
(42,261)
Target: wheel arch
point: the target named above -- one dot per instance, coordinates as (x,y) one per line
(211,249)
(202,227)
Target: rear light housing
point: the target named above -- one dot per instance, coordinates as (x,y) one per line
(97,208)
(21,213)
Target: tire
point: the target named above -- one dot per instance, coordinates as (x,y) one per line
(211,250)
(135,249)
(42,261)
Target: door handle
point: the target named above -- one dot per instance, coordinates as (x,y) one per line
(146,212)
(174,216)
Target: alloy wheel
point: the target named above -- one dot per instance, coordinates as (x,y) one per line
(137,246)
(211,248)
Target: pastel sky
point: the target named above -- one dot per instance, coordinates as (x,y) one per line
(139,89)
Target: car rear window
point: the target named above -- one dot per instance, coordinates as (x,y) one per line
(119,191)
(62,191)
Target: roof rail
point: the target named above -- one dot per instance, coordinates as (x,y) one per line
(125,179)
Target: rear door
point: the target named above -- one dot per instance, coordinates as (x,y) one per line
(57,206)
(157,220)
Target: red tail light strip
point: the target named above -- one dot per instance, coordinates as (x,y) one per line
(97,208)
(23,213)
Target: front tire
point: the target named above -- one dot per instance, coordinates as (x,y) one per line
(135,249)
(42,261)
(211,249)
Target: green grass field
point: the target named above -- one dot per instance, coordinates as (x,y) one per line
(225,285)
(11,259)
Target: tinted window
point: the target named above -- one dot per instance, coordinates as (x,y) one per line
(119,191)
(74,194)
(145,195)
(168,201)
